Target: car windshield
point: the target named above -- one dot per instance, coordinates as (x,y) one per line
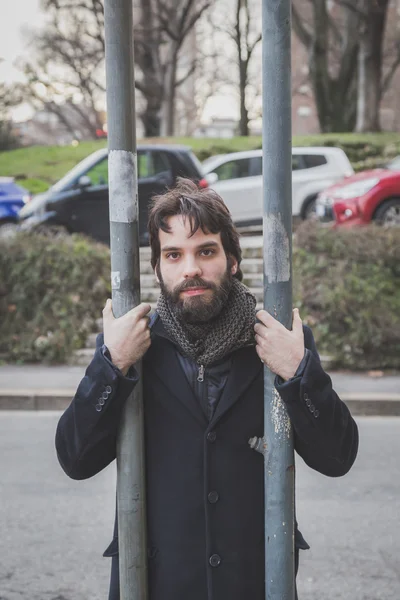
(394,164)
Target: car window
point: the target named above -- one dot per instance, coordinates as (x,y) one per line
(297,162)
(314,160)
(152,163)
(98,174)
(234,169)
(256,166)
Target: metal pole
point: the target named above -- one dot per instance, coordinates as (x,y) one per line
(277,182)
(125,275)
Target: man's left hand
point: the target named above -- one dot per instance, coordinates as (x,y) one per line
(280,349)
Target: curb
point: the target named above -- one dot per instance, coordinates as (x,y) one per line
(360,404)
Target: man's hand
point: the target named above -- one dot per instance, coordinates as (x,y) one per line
(127,338)
(280,349)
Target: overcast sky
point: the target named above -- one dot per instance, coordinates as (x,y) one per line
(15,16)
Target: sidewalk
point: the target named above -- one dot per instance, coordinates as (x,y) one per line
(37,387)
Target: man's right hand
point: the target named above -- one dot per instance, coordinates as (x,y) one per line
(127,338)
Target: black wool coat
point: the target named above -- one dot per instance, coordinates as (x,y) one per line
(205,490)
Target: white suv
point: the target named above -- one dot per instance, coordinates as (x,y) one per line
(237,177)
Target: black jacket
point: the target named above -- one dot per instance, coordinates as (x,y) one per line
(205,491)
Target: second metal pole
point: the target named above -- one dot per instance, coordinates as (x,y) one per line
(277,225)
(124,238)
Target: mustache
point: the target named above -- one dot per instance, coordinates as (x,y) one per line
(193,283)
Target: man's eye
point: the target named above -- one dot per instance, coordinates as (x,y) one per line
(207,252)
(173,255)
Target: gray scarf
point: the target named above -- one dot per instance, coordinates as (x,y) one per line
(209,342)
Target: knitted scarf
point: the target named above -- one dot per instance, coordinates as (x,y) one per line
(209,342)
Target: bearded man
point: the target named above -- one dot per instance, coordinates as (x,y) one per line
(203,353)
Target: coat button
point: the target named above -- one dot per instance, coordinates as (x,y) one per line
(316,414)
(215,560)
(213,497)
(312,408)
(211,436)
(108,389)
(101,401)
(98,407)
(105,395)
(308,402)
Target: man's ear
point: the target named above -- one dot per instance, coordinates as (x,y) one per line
(233,265)
(157,271)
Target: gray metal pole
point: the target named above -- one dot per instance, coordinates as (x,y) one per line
(125,275)
(277,181)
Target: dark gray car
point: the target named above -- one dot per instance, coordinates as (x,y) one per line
(79,201)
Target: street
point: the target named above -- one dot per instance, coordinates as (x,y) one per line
(54,530)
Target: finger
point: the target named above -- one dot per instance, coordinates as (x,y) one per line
(143,324)
(107,310)
(297,325)
(140,311)
(259,340)
(261,330)
(259,352)
(267,319)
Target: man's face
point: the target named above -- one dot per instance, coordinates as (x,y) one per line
(193,271)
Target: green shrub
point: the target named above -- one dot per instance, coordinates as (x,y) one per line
(51,292)
(347,283)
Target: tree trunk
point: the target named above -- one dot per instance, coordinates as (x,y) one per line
(244,115)
(370,67)
(170,94)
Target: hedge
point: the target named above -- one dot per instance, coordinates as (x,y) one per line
(51,292)
(346,284)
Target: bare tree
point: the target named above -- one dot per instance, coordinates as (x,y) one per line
(373,17)
(350,65)
(69,54)
(177,19)
(65,73)
(244,33)
(332,44)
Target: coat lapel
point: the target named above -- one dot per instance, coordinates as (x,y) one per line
(245,367)
(166,365)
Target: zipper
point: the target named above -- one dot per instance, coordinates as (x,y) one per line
(200,375)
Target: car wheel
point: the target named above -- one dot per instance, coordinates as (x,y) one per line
(309,210)
(388,214)
(8,229)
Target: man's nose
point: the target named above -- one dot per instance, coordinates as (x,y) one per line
(191,268)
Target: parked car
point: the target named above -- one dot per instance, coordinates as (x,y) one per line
(79,201)
(12,198)
(237,177)
(372,195)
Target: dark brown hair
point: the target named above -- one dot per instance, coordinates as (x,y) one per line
(203,207)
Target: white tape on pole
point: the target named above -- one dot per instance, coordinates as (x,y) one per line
(122,188)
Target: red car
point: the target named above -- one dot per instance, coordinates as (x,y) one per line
(364,197)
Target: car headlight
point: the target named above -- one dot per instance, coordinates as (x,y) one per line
(353,190)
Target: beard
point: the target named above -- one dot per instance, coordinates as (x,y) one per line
(197,309)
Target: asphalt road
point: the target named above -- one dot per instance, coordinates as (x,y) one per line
(53,529)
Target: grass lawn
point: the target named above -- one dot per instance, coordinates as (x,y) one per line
(38,167)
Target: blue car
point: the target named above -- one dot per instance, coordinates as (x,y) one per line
(12,198)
